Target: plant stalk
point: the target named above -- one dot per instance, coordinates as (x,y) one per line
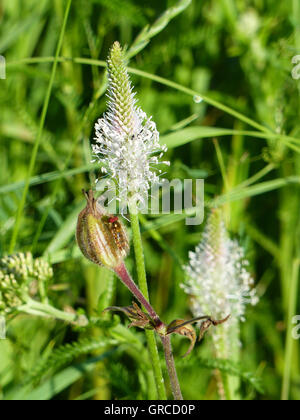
(289,336)
(166,341)
(128,282)
(141,271)
(44,310)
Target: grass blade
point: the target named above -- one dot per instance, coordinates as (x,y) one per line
(40,132)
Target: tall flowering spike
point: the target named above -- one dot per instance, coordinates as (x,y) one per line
(121,104)
(127,142)
(217,279)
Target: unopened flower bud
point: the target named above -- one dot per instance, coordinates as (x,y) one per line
(101,237)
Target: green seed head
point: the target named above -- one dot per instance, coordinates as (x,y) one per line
(101,237)
(121,105)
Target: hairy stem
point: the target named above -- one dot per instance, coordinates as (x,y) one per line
(166,341)
(140,263)
(44,310)
(126,279)
(292,309)
(230,384)
(150,335)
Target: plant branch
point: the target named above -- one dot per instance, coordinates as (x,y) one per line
(128,282)
(166,341)
(33,307)
(140,262)
(141,272)
(289,336)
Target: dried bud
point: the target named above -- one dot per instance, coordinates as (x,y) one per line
(137,317)
(101,237)
(181,327)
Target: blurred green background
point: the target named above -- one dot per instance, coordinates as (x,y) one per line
(233,52)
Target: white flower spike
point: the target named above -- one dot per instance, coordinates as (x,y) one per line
(127,142)
(217,279)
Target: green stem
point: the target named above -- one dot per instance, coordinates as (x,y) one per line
(33,307)
(125,277)
(222,165)
(230,383)
(166,341)
(293,296)
(221,353)
(158,79)
(141,272)
(39,135)
(263,132)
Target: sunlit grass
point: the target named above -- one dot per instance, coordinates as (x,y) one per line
(243,135)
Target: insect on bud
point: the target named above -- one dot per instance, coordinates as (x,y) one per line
(101,237)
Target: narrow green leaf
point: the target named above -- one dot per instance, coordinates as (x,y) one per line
(66,231)
(47,177)
(61,381)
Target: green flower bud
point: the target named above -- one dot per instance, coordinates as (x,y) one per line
(20,275)
(101,237)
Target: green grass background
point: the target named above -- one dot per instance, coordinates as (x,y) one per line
(236,55)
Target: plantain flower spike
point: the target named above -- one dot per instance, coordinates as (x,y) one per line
(127,141)
(218,281)
(101,237)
